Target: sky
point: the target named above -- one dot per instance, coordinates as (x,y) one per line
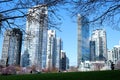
(68,35)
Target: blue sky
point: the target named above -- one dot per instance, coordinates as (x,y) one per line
(69,37)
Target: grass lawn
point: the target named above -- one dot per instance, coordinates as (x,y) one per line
(93,75)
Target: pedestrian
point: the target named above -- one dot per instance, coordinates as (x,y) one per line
(112,66)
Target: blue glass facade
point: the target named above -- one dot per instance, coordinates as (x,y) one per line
(83,39)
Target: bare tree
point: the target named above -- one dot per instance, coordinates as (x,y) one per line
(13,12)
(103,12)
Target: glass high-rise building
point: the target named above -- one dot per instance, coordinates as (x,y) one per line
(92,51)
(51,50)
(11,50)
(82,39)
(59,47)
(36,35)
(54,47)
(99,36)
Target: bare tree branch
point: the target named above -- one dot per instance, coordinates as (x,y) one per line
(17,9)
(13,9)
(14,17)
(99,12)
(112,8)
(3,1)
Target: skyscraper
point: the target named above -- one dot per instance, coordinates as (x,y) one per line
(99,36)
(11,50)
(82,39)
(51,50)
(36,34)
(59,47)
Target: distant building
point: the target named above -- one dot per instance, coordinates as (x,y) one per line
(36,35)
(51,50)
(25,59)
(67,63)
(11,51)
(99,36)
(82,39)
(116,53)
(92,51)
(110,58)
(63,61)
(59,47)
(110,55)
(93,66)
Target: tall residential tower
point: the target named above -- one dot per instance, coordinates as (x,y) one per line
(36,37)
(11,50)
(51,50)
(99,37)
